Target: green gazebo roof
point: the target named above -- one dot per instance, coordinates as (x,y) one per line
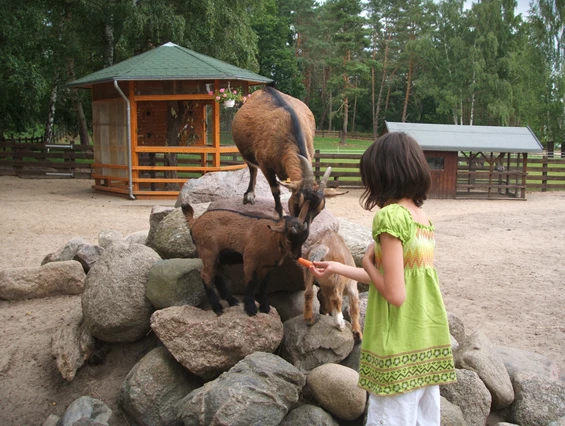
(170,62)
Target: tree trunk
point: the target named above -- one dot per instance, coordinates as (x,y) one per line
(383,80)
(49,126)
(345,121)
(408,84)
(330,112)
(109,42)
(324,109)
(354,111)
(472,101)
(177,116)
(373,107)
(81,119)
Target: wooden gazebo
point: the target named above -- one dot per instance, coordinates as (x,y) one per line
(155,124)
(474,161)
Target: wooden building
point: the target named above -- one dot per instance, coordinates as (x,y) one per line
(474,161)
(155,123)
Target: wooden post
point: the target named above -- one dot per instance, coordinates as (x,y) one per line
(133,134)
(524,174)
(544,173)
(491,169)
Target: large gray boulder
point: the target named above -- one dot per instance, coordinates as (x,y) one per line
(517,360)
(451,414)
(539,401)
(356,237)
(456,327)
(471,395)
(258,390)
(309,346)
(109,236)
(207,344)
(219,185)
(477,353)
(67,251)
(51,279)
(171,237)
(176,282)
(76,249)
(86,411)
(72,344)
(309,415)
(335,388)
(114,304)
(291,304)
(153,387)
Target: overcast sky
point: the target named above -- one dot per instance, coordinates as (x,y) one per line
(522,7)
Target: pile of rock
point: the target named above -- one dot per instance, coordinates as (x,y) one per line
(271,369)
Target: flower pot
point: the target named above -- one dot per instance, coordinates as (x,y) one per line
(229,103)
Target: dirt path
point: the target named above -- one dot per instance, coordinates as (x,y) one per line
(500,265)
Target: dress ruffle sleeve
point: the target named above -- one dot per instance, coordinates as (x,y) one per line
(394,220)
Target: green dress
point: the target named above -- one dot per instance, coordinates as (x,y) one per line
(407,347)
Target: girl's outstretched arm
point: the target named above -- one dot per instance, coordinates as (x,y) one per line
(325,269)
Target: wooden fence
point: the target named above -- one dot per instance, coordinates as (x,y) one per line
(31,157)
(544,172)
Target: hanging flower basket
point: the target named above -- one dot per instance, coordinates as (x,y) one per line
(228,96)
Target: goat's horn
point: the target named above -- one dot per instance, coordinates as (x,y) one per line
(307,173)
(324,180)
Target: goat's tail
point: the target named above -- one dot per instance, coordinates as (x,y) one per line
(188,212)
(318,252)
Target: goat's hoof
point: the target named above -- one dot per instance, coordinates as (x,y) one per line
(265,308)
(357,336)
(232,301)
(251,309)
(249,199)
(219,309)
(312,320)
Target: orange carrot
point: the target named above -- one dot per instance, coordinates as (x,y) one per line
(304,262)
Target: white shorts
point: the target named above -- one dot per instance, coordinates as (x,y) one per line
(419,407)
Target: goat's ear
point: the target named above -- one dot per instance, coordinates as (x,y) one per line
(188,211)
(279,227)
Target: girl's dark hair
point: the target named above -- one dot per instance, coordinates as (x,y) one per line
(394,167)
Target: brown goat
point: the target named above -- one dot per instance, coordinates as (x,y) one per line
(275,132)
(331,246)
(226,236)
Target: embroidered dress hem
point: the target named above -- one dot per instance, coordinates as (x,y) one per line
(406,372)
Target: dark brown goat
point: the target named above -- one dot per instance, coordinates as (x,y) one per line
(275,132)
(226,236)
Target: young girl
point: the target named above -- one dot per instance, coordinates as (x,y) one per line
(406,349)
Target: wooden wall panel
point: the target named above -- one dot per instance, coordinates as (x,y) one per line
(444,180)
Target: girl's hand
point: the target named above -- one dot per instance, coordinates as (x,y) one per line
(369,256)
(322,269)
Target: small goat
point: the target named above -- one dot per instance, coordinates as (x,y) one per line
(226,236)
(331,246)
(275,132)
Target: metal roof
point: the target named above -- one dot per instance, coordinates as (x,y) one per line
(170,62)
(449,137)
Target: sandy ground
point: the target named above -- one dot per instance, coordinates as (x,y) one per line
(500,264)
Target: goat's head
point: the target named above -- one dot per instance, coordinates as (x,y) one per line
(307,198)
(295,233)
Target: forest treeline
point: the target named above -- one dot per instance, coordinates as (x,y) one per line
(355,63)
